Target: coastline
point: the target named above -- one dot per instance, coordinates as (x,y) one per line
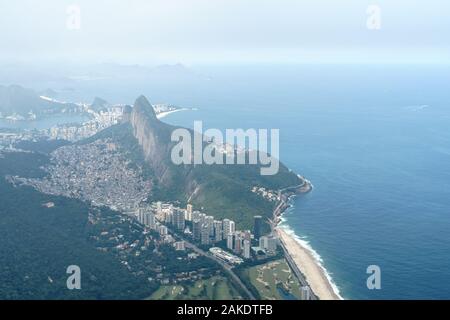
(302,256)
(166,113)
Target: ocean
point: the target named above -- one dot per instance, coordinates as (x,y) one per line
(375,143)
(44,122)
(373,140)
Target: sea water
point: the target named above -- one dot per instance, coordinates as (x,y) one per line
(375,143)
(373,139)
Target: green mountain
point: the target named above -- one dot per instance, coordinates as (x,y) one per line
(223,191)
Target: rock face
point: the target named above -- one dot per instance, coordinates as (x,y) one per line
(154,138)
(222,190)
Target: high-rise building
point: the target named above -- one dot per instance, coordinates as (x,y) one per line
(228,226)
(218,231)
(168,217)
(150,220)
(159,207)
(197,229)
(141,215)
(272,244)
(232,226)
(238,243)
(202,217)
(189,211)
(247,245)
(263,242)
(230,241)
(209,221)
(247,235)
(178,220)
(205,238)
(257,227)
(305,293)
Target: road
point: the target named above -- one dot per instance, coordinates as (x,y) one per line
(273,224)
(225,266)
(301,278)
(228,269)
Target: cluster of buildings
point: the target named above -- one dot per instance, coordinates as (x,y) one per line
(147,217)
(267,194)
(9,139)
(100,120)
(94,172)
(207,231)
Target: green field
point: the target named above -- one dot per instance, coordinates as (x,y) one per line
(269,277)
(215,288)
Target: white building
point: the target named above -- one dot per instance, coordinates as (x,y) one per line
(305,293)
(179,246)
(189,211)
(225,256)
(150,220)
(228,226)
(163,230)
(247,247)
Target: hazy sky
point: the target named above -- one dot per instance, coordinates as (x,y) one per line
(218,31)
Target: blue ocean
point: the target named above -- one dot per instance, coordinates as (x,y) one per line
(375,143)
(373,140)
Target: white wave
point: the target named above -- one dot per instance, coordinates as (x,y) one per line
(305,244)
(417,107)
(166,113)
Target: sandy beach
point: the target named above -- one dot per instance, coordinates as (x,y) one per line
(166,113)
(308,266)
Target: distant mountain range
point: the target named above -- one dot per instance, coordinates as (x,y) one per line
(23,103)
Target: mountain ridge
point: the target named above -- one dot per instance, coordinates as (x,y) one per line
(223,190)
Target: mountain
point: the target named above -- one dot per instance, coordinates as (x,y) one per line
(50,93)
(99,104)
(16,100)
(223,191)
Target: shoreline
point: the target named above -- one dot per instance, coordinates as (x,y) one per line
(303,257)
(166,113)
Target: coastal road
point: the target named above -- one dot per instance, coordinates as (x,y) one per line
(225,266)
(301,278)
(273,225)
(228,269)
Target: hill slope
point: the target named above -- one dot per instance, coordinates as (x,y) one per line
(16,100)
(221,190)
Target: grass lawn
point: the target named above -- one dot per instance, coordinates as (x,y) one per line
(215,288)
(267,278)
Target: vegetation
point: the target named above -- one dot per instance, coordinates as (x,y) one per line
(272,281)
(214,288)
(223,190)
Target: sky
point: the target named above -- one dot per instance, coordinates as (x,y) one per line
(225,31)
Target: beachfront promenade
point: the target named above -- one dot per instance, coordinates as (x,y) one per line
(300,259)
(301,278)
